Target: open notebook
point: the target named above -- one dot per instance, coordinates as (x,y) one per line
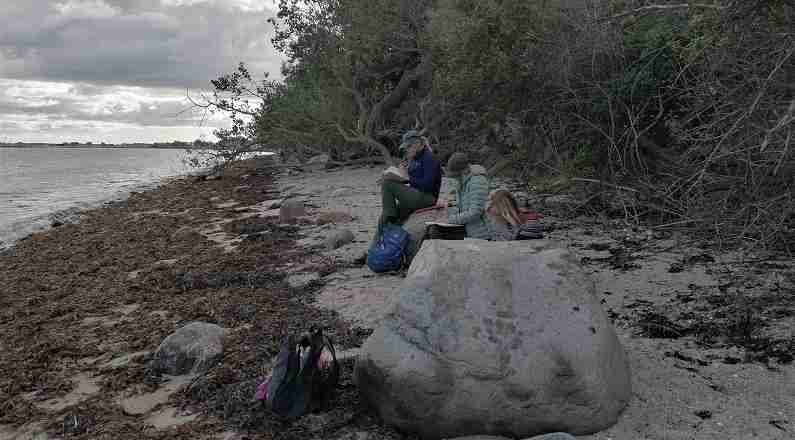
(395,173)
(443,224)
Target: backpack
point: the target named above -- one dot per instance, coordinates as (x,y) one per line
(304,377)
(386,254)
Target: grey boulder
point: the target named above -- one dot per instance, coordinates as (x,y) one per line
(193,348)
(495,338)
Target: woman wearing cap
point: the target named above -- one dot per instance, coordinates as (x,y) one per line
(399,200)
(473,193)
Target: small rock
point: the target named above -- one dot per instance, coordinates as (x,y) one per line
(704,414)
(159,264)
(213,177)
(193,348)
(340,192)
(338,239)
(301,280)
(290,210)
(333,217)
(317,163)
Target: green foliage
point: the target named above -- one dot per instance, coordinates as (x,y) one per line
(671,97)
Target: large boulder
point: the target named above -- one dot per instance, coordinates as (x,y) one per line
(495,338)
(193,348)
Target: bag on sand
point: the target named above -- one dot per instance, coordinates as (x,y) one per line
(304,377)
(386,254)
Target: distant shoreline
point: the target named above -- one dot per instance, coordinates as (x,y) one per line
(108,146)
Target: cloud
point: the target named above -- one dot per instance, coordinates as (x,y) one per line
(43,110)
(123,61)
(171,43)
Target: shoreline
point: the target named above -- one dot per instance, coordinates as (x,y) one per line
(21,228)
(86,305)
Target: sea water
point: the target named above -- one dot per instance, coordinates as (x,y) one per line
(38,183)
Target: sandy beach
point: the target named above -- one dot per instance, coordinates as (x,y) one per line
(709,332)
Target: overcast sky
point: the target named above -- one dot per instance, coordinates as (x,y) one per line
(117,70)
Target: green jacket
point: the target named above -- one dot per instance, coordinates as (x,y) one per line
(473,193)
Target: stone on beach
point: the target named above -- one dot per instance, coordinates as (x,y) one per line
(499,338)
(291,210)
(301,280)
(337,239)
(193,348)
(317,163)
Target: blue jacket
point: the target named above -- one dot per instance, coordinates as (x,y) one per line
(425,173)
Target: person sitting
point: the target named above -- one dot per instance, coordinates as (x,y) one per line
(506,221)
(399,200)
(472,188)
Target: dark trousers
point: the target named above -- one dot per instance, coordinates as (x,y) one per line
(398,201)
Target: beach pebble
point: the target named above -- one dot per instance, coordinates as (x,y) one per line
(338,239)
(290,210)
(193,348)
(317,163)
(341,192)
(301,280)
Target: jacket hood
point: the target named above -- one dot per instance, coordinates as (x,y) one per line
(477,169)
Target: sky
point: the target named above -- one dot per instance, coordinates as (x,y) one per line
(118,71)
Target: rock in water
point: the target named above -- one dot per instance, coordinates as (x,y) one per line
(290,210)
(495,338)
(193,348)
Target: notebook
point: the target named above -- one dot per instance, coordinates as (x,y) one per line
(395,173)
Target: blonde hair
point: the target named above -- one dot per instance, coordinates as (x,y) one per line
(505,206)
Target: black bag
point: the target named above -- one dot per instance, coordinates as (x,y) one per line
(451,232)
(304,378)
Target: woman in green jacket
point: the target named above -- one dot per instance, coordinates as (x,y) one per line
(472,187)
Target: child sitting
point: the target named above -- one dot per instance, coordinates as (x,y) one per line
(506,221)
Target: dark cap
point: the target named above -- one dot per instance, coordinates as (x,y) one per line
(408,138)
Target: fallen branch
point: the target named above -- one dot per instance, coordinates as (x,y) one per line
(625,188)
(653,8)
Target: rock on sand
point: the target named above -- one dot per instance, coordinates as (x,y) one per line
(193,348)
(497,338)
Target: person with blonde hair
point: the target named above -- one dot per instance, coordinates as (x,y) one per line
(506,221)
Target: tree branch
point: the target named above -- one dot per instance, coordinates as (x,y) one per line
(653,8)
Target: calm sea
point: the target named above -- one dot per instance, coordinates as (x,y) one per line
(40,184)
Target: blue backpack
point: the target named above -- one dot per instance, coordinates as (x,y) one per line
(386,255)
